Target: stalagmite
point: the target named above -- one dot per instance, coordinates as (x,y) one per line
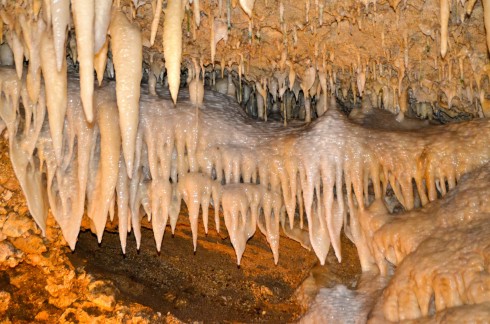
(84,17)
(127,55)
(172,44)
(262,99)
(155,22)
(56,91)
(60,20)
(157,70)
(446,268)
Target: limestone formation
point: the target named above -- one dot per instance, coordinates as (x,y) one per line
(152,134)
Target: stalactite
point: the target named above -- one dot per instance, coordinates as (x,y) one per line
(418,235)
(323,165)
(101,22)
(172,44)
(84,17)
(60,20)
(127,54)
(156,20)
(32,32)
(56,91)
(444,26)
(247,6)
(100,61)
(108,169)
(147,155)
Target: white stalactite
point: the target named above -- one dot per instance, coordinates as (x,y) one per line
(60,19)
(84,17)
(101,24)
(155,22)
(100,61)
(172,44)
(127,52)
(108,170)
(32,32)
(247,6)
(197,13)
(18,50)
(56,91)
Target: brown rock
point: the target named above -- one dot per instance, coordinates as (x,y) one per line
(16,225)
(4,301)
(65,299)
(42,316)
(32,244)
(10,184)
(3,217)
(102,295)
(9,255)
(73,315)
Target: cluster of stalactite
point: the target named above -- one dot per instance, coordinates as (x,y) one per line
(77,147)
(284,58)
(321,170)
(441,252)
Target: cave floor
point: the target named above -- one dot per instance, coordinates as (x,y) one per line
(208,285)
(42,280)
